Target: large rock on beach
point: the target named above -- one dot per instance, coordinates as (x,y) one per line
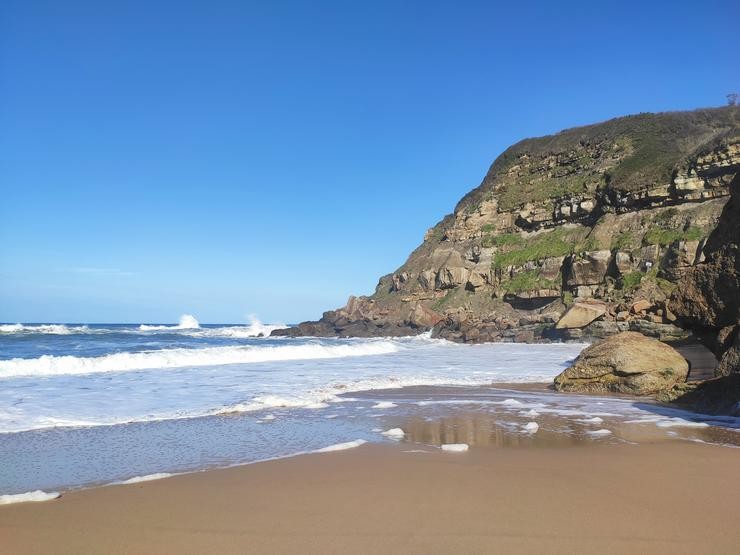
(627,362)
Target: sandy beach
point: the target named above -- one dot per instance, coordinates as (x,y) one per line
(672,497)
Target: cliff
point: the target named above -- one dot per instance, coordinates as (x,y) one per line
(579,234)
(707,300)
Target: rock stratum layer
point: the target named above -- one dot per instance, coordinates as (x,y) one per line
(580,234)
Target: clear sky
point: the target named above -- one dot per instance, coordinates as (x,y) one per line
(231,157)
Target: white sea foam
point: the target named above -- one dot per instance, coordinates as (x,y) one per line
(594,420)
(220,380)
(455,447)
(395,433)
(384,405)
(177,358)
(531,427)
(341,446)
(673,422)
(146,478)
(50,329)
(30,496)
(187,322)
(601,432)
(254,329)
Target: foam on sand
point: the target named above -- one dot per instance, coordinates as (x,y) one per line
(395,433)
(531,427)
(455,447)
(28,497)
(146,478)
(601,432)
(341,446)
(594,420)
(682,422)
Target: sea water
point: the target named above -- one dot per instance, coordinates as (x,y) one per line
(83,405)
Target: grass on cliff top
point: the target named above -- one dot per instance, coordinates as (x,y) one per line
(658,143)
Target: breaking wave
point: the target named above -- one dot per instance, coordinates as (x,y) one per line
(52,329)
(187,322)
(255,329)
(48,365)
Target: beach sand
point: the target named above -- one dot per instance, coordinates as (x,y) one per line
(670,497)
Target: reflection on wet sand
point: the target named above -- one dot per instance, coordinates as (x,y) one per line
(491,417)
(479,429)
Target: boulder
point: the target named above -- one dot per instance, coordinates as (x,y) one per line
(641,305)
(475,280)
(449,277)
(623,262)
(427,278)
(627,362)
(550,268)
(423,317)
(680,256)
(580,315)
(590,269)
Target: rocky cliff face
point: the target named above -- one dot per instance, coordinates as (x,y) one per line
(582,233)
(707,298)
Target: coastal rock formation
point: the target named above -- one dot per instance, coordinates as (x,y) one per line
(615,212)
(708,296)
(627,362)
(707,300)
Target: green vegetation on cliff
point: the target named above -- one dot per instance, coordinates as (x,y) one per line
(529,280)
(516,250)
(663,237)
(623,154)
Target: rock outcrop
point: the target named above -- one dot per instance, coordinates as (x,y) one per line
(708,296)
(615,212)
(627,362)
(707,299)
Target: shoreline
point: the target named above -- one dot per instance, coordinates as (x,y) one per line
(667,497)
(430,416)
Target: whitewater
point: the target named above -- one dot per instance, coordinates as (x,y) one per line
(105,375)
(86,404)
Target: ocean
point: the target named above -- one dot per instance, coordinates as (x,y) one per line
(86,405)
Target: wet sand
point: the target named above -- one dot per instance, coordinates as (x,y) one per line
(676,497)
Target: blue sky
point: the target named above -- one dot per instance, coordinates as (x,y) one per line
(232,158)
